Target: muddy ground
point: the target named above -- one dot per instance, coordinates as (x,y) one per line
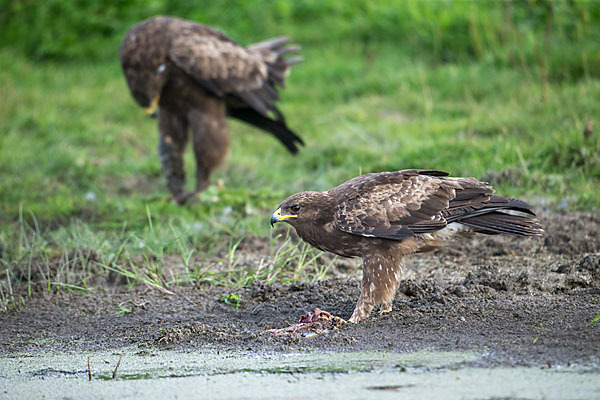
(519,301)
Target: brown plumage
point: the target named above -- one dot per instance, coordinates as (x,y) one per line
(385,216)
(197,77)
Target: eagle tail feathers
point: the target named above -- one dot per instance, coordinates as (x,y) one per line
(503,215)
(292,48)
(270,44)
(499,222)
(272,52)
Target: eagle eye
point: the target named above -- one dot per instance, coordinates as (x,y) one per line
(295,208)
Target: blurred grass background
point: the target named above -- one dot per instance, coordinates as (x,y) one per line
(504,91)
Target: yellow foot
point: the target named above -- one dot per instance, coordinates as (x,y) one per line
(385,310)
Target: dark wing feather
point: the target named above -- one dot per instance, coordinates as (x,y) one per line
(394,205)
(277,127)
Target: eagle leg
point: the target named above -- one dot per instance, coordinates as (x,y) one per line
(171,145)
(202,178)
(380,281)
(364,306)
(210,138)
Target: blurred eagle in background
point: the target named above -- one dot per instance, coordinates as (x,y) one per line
(195,77)
(382,217)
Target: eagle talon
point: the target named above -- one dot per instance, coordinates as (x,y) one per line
(186,198)
(182,199)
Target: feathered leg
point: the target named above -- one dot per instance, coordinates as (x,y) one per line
(365,303)
(173,137)
(381,276)
(211,139)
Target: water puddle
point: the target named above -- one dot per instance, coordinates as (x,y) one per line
(307,375)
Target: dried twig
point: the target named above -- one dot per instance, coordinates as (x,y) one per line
(159,288)
(89,369)
(117,367)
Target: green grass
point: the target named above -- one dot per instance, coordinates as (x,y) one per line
(82,197)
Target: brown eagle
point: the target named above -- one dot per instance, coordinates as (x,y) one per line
(382,217)
(197,76)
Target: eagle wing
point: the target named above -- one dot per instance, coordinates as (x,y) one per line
(401,204)
(224,67)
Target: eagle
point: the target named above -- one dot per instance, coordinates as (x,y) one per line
(383,217)
(196,77)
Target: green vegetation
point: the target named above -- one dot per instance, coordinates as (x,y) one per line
(503,91)
(233,299)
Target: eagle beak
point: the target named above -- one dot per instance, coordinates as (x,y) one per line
(277,217)
(151,111)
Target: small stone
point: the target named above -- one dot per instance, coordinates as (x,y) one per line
(91,196)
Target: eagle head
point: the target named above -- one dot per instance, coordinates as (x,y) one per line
(305,208)
(145,63)
(146,85)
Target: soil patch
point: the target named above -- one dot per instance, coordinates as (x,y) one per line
(520,301)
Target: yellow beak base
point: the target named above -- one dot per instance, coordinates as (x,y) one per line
(277,217)
(153,106)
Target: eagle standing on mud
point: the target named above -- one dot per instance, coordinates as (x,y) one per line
(382,217)
(197,76)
